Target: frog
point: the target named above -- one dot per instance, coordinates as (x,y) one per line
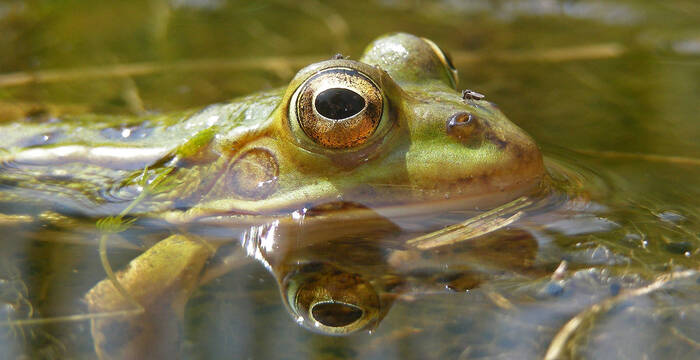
(344,147)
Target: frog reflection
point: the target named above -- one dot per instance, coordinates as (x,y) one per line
(333,274)
(335,300)
(341,275)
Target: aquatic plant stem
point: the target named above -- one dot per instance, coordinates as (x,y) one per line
(112,278)
(103,239)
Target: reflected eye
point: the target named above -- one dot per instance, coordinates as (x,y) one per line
(339,108)
(446,61)
(329,300)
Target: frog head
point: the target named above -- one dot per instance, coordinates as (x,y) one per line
(392,129)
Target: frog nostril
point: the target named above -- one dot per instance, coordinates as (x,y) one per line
(460,119)
(465,127)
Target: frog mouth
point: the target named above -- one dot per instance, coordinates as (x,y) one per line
(245,212)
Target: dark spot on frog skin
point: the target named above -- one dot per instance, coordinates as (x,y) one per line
(491,136)
(521,153)
(495,140)
(253,175)
(518,152)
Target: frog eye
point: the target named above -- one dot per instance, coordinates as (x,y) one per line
(329,300)
(339,108)
(446,61)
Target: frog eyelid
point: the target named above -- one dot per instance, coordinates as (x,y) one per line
(446,61)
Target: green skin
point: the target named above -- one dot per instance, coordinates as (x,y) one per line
(243,162)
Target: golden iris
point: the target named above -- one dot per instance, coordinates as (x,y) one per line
(339,108)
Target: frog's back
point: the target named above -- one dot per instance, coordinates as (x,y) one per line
(156,130)
(79,160)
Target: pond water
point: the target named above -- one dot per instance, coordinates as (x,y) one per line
(602,267)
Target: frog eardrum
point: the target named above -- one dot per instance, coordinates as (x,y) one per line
(339,108)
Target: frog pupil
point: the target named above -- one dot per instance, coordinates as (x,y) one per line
(334,314)
(339,103)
